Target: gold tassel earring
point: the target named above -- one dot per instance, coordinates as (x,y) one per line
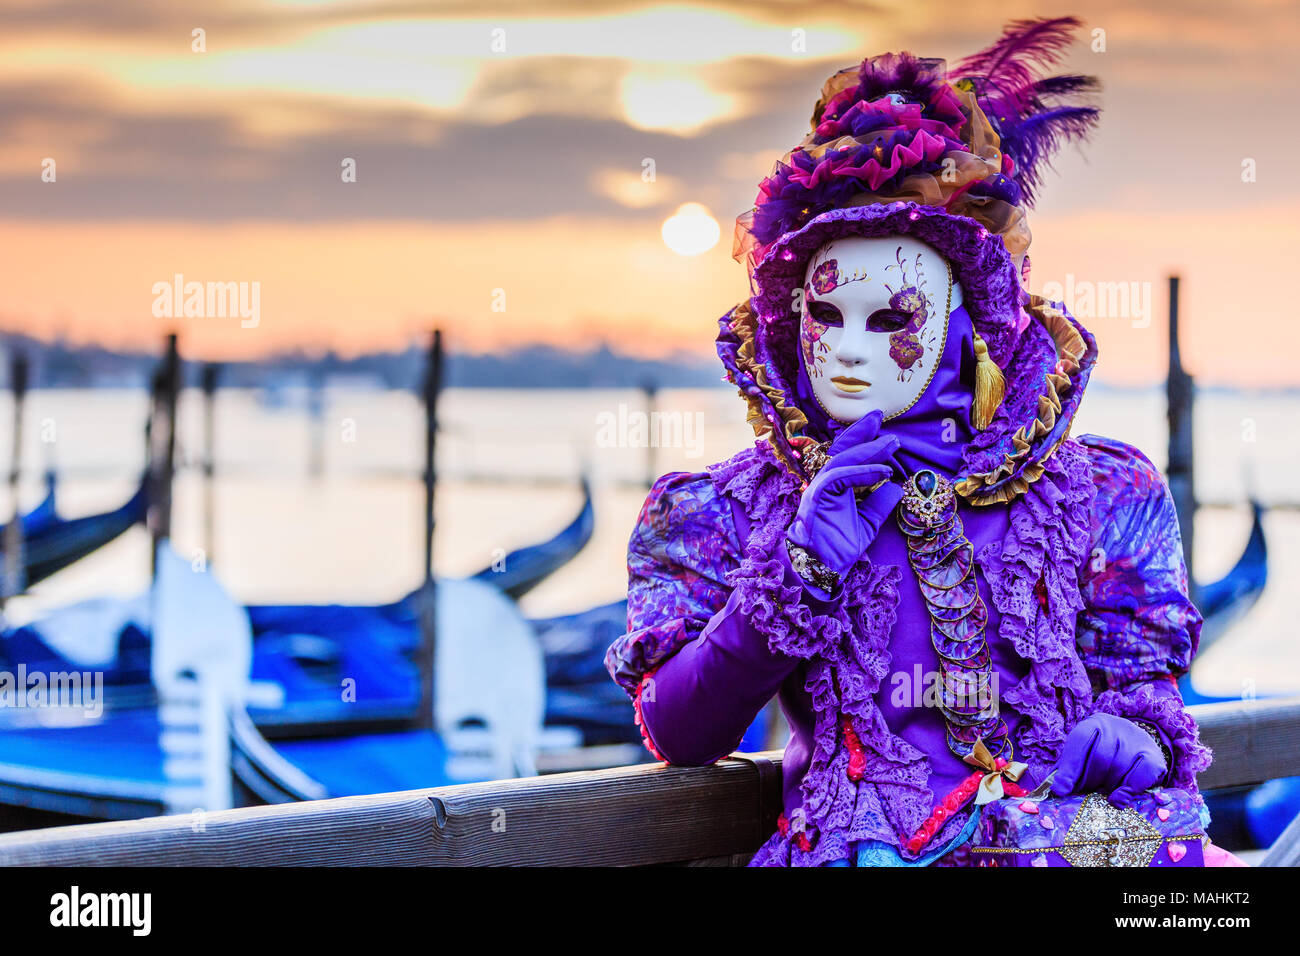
(989,386)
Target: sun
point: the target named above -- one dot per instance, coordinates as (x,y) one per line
(691,230)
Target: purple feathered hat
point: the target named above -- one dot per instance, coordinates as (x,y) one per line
(896,148)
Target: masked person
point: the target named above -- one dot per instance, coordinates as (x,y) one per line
(939,584)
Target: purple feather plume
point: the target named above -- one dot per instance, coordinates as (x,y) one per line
(1014,63)
(1034,115)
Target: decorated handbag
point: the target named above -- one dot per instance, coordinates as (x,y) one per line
(1162,828)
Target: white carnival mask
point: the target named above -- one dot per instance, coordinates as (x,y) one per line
(874,323)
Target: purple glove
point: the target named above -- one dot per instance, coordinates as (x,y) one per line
(831,524)
(1108,754)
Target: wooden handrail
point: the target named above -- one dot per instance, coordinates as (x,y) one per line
(1253,741)
(626,816)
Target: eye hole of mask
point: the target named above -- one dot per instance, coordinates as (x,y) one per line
(826,314)
(888,320)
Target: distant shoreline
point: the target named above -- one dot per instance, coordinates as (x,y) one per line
(62,365)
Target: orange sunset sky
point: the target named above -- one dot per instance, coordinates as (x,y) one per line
(500,146)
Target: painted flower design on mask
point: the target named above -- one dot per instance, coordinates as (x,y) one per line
(906,350)
(905,346)
(826,277)
(810,340)
(911,301)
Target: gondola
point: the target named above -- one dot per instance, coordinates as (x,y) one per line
(39,517)
(51,543)
(522,570)
(491,699)
(1224,602)
(307,649)
(60,765)
(1242,817)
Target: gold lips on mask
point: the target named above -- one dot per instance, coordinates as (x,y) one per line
(846,384)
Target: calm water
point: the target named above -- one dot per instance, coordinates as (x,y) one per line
(509,464)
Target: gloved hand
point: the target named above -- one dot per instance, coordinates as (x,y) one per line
(830,522)
(1110,755)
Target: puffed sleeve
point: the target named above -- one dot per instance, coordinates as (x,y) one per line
(678,557)
(1139,630)
(697,671)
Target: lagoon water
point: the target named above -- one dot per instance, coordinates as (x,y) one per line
(328,509)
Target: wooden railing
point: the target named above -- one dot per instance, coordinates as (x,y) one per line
(627,816)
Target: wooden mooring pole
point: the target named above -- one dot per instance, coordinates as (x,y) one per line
(1181,393)
(15,576)
(162,451)
(651,392)
(428,592)
(211,377)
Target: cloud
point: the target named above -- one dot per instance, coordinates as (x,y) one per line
(634,190)
(278,156)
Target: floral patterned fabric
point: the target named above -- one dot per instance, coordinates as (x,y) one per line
(1138,623)
(677,562)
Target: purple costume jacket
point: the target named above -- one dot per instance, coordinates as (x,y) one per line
(713,671)
(1078,559)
